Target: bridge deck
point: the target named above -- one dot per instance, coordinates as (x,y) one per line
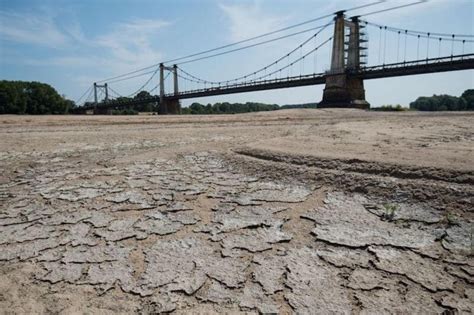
(432,65)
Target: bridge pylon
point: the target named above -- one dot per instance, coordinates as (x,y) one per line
(105,88)
(343,88)
(169,105)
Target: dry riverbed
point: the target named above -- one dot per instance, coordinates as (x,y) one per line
(295,211)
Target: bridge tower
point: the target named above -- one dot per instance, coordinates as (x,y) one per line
(106,92)
(344,89)
(104,87)
(167,105)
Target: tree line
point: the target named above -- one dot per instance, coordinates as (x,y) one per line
(146,108)
(445,102)
(227,108)
(34,98)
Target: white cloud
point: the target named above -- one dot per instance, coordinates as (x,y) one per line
(74,30)
(407,14)
(67,61)
(127,46)
(130,42)
(249,20)
(31,29)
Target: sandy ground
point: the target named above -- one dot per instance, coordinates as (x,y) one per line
(294,211)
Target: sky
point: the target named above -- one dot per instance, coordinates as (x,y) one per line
(71,44)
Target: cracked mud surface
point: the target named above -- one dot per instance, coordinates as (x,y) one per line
(196,215)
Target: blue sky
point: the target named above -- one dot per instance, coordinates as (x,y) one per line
(70,44)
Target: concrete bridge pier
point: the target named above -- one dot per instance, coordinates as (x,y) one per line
(170,107)
(343,89)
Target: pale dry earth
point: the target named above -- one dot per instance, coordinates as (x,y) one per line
(295,211)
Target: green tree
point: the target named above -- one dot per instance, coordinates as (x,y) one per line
(142,94)
(19,97)
(468,97)
(227,108)
(445,102)
(146,107)
(196,108)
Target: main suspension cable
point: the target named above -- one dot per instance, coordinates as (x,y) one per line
(84,94)
(242,41)
(145,84)
(267,66)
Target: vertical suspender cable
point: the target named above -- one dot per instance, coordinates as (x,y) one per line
(384,44)
(380,43)
(439,47)
(288,71)
(303,66)
(463,42)
(405,49)
(302,61)
(84,94)
(427,46)
(398,44)
(276,67)
(315,60)
(452,46)
(418,48)
(89,96)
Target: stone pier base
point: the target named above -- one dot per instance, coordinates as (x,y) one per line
(170,107)
(102,111)
(343,91)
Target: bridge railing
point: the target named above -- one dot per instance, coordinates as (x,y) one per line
(248,83)
(316,75)
(419,62)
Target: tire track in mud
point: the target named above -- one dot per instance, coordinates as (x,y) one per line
(364,167)
(449,190)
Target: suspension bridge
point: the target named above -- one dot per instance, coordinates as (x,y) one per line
(397,52)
